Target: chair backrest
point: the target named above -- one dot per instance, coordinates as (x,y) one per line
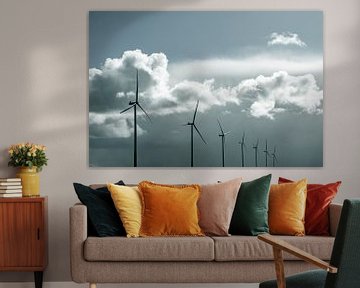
(346,251)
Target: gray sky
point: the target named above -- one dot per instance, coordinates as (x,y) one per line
(258,72)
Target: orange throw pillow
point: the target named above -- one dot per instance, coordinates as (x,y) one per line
(169,210)
(287,204)
(319,197)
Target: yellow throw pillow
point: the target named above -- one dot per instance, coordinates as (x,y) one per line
(169,210)
(287,204)
(127,201)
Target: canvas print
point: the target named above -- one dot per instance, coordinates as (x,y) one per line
(206,89)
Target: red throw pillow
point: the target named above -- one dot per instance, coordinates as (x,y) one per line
(319,197)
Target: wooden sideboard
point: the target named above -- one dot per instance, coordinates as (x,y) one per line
(23,235)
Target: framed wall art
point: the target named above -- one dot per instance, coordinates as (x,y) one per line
(206,89)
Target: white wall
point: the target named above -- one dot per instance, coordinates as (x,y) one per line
(43,90)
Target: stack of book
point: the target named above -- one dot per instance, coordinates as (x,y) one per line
(10,187)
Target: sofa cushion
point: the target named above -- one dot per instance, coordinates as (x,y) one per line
(127,201)
(102,216)
(149,249)
(250,215)
(287,204)
(318,199)
(169,210)
(243,248)
(216,206)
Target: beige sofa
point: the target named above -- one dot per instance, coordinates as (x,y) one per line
(234,259)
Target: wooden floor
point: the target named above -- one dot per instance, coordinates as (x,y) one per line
(74,285)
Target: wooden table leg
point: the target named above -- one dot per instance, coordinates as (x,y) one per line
(38,279)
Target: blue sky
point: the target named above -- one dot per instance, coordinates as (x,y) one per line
(259,72)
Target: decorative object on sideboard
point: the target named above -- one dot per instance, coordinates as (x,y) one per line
(30,158)
(10,187)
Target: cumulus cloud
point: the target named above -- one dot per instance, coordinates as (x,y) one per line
(117,78)
(286,38)
(112,86)
(111,125)
(275,94)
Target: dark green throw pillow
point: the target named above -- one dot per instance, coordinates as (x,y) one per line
(250,216)
(103,218)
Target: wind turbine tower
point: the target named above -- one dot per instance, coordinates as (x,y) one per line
(255,147)
(222,135)
(273,155)
(267,154)
(192,126)
(242,145)
(134,105)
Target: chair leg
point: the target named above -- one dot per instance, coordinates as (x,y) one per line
(279,267)
(92,285)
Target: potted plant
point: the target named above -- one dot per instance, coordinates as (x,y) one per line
(30,158)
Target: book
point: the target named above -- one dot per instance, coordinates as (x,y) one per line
(10,187)
(10,180)
(10,183)
(10,191)
(2,195)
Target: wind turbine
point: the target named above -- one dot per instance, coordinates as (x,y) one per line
(255,147)
(192,126)
(242,144)
(135,104)
(222,135)
(274,156)
(266,151)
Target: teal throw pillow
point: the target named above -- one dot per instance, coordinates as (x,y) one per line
(250,216)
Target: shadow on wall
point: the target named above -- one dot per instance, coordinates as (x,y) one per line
(47,78)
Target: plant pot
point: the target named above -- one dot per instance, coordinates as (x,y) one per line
(30,181)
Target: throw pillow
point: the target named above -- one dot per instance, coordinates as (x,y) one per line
(216,206)
(169,210)
(102,215)
(127,201)
(250,215)
(287,204)
(319,197)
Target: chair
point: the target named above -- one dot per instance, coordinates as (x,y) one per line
(344,268)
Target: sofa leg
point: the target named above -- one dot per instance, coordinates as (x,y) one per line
(92,285)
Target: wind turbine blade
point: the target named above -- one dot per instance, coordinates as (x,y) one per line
(143,111)
(123,111)
(227,133)
(275,158)
(197,130)
(137,85)
(222,131)
(197,105)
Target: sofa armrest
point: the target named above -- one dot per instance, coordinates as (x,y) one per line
(334,217)
(78,235)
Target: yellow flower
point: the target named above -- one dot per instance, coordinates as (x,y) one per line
(11,151)
(28,154)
